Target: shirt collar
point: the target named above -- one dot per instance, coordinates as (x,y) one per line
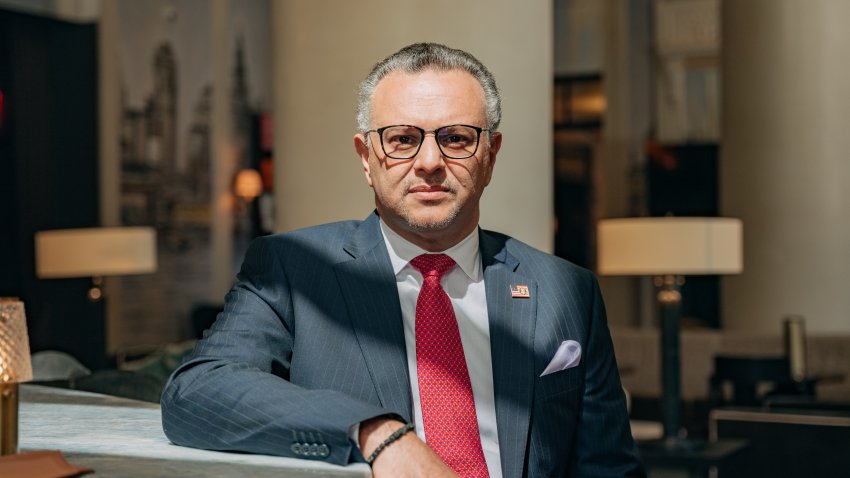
(465,253)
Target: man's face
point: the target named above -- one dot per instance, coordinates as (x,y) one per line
(430,199)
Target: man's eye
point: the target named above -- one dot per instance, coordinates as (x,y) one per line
(402,140)
(455,140)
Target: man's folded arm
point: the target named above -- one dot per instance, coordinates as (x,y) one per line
(233,391)
(219,406)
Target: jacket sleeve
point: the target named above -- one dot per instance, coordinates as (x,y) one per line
(233,391)
(605,447)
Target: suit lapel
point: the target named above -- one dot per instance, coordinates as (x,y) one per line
(512,323)
(371,295)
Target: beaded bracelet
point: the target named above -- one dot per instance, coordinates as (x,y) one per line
(393,437)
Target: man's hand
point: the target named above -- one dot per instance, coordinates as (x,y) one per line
(406,457)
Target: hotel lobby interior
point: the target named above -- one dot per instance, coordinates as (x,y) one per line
(688,152)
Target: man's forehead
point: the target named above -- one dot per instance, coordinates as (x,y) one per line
(401,90)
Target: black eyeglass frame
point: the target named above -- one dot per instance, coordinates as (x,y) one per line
(423,132)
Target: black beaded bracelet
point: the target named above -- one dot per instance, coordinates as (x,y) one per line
(393,437)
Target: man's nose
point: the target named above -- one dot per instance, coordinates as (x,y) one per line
(429,158)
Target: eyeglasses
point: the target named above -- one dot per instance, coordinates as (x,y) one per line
(457,141)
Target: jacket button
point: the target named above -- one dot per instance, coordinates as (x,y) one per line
(296,448)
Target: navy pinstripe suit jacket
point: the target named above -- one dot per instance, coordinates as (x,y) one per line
(311,342)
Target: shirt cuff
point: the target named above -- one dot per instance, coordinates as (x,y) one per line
(354,434)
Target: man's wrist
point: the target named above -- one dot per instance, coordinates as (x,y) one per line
(374,431)
(388,441)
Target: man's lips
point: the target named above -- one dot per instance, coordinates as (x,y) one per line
(427,192)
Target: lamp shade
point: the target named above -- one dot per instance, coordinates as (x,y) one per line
(99,251)
(670,245)
(15,363)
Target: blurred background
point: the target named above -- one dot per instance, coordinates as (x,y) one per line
(213,122)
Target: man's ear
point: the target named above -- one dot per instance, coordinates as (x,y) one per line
(361,145)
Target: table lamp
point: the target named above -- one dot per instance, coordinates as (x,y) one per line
(669,248)
(15,367)
(95,252)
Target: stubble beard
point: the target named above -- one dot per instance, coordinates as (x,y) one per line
(427,223)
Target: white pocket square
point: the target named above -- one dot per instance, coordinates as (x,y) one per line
(567,356)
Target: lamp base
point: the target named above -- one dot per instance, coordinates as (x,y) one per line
(682,445)
(698,457)
(8,418)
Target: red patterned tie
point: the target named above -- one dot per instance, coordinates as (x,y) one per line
(448,409)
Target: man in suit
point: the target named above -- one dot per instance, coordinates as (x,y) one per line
(412,339)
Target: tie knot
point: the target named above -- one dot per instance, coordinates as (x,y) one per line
(433,264)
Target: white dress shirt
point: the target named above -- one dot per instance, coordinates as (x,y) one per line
(464,285)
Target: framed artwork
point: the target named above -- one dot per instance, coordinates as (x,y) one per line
(169,164)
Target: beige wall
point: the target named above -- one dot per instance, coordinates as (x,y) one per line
(784,161)
(324,48)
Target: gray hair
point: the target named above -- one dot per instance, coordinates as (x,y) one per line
(421,57)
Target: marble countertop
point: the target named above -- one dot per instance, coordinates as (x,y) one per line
(120,438)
